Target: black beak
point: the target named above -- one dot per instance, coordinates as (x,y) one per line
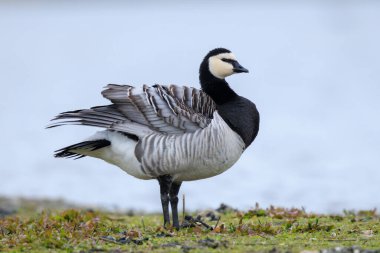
(239,68)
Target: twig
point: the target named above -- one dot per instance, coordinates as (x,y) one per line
(338,240)
(217,222)
(108,239)
(183,208)
(193,221)
(143,223)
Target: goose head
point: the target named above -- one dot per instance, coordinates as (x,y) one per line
(220,63)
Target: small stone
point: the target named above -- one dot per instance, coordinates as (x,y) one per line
(367,233)
(211,243)
(124,240)
(170,244)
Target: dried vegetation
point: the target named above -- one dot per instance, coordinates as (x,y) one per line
(221,230)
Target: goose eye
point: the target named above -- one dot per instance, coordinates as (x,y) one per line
(228,60)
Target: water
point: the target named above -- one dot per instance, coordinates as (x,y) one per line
(314,75)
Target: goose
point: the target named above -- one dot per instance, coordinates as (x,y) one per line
(170,133)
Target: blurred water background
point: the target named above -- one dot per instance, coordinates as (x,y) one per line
(314,75)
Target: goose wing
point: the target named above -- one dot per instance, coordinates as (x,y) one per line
(140,111)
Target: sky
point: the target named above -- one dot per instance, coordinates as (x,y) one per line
(314,76)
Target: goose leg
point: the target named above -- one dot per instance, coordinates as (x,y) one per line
(173,197)
(165,182)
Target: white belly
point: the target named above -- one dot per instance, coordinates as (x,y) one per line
(121,153)
(205,168)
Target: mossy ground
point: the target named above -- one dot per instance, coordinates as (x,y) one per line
(257,230)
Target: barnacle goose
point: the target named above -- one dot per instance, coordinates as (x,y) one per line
(170,133)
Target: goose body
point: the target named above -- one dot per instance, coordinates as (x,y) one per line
(170,133)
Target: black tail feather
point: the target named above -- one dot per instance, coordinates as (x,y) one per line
(68,152)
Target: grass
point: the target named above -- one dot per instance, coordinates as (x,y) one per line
(257,230)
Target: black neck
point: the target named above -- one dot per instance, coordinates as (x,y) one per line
(218,89)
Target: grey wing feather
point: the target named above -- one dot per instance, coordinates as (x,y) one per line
(162,109)
(194,98)
(102,116)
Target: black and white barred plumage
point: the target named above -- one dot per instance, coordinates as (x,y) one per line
(171,133)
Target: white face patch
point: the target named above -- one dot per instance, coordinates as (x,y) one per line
(219,68)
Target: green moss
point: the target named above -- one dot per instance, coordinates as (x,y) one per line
(258,230)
